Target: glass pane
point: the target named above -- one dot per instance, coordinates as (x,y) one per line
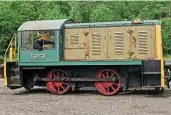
(40,39)
(27,40)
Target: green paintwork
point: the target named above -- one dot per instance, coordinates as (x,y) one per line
(70,63)
(112,24)
(51,55)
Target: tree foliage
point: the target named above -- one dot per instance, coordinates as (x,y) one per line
(14,13)
(166,30)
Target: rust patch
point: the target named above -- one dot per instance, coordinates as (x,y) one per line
(130,31)
(85,33)
(87,47)
(130,53)
(133,43)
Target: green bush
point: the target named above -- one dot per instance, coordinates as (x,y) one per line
(166,35)
(14,13)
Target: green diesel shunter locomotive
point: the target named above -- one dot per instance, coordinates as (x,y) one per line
(66,56)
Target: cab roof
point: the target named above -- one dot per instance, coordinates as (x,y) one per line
(43,24)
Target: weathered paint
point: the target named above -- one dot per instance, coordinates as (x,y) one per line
(130,42)
(73,63)
(74,44)
(142,41)
(118,43)
(160,52)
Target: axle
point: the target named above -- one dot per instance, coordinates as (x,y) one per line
(75,79)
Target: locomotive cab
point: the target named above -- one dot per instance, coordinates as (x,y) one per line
(35,46)
(40,42)
(38,45)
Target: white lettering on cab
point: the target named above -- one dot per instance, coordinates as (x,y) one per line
(37,55)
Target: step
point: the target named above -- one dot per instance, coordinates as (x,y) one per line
(14,85)
(151,73)
(17,77)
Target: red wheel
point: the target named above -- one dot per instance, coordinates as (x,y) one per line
(58,87)
(108,88)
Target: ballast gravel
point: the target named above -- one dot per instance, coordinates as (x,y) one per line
(41,102)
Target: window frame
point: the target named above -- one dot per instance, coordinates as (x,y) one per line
(31,46)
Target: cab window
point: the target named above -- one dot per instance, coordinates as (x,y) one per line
(40,39)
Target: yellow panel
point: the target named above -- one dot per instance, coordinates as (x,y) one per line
(118,43)
(76,38)
(77,43)
(133,42)
(159,51)
(97,44)
(5,73)
(74,54)
(89,43)
(143,41)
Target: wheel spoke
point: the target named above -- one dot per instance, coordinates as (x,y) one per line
(108,88)
(115,84)
(62,75)
(65,83)
(107,74)
(113,88)
(57,74)
(58,87)
(103,76)
(62,87)
(111,75)
(54,76)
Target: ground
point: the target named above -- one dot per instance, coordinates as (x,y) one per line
(41,102)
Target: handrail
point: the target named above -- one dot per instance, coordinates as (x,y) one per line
(13,37)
